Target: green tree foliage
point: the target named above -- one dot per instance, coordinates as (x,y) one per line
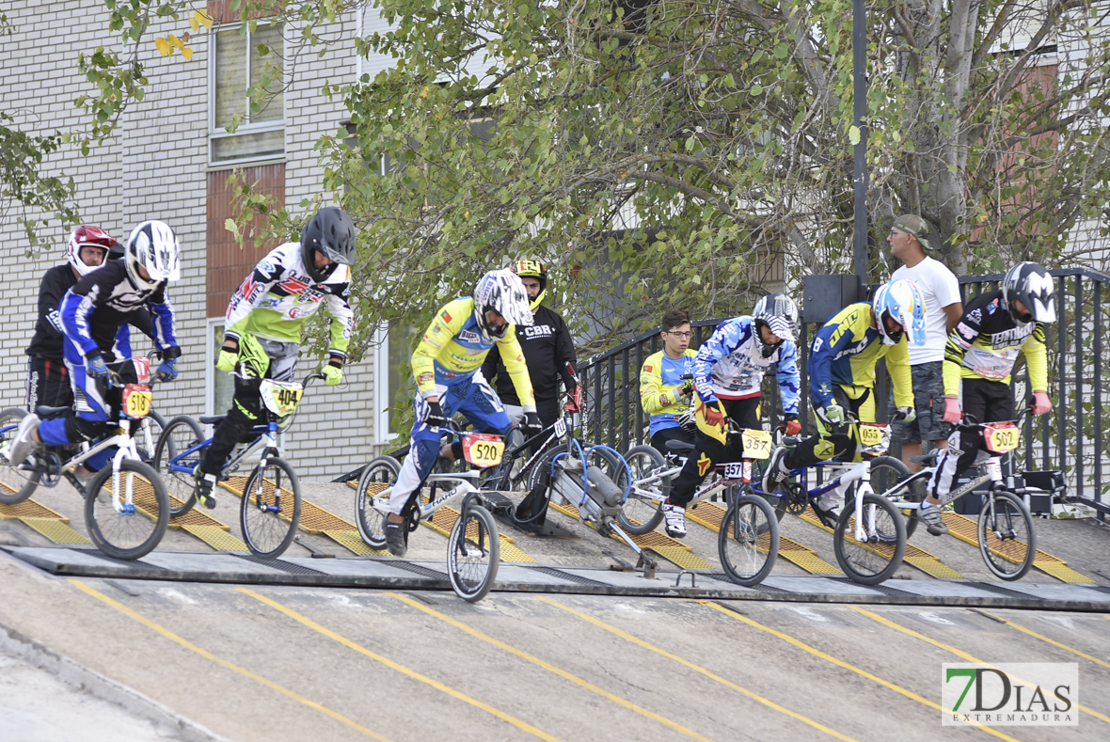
(671,153)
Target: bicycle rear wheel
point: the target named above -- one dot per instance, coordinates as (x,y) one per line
(748,542)
(17,483)
(1006,538)
(377,477)
(880,556)
(129,532)
(178,436)
(641,513)
(887,471)
(473,554)
(270,509)
(147,434)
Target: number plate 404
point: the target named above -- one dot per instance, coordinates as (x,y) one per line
(136,400)
(281,397)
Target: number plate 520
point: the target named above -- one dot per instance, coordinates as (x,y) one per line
(483,450)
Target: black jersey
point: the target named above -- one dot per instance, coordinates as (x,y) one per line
(547,348)
(985,344)
(47,340)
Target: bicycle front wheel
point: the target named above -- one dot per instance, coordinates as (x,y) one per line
(879,554)
(1006,538)
(377,477)
(748,542)
(270,509)
(473,554)
(641,513)
(175,465)
(126,515)
(17,483)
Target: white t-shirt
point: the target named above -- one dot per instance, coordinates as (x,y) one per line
(941,289)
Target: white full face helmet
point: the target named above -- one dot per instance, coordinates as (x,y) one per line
(153,245)
(1030,284)
(503,292)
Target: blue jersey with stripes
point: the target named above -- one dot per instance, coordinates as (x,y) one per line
(730,365)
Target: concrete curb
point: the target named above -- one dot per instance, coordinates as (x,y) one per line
(170,724)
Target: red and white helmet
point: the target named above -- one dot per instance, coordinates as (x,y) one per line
(153,245)
(87,236)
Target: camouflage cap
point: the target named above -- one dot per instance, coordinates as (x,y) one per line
(915,225)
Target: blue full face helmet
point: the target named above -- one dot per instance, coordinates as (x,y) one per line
(900,301)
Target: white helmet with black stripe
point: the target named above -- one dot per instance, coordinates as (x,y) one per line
(779,313)
(152,245)
(1030,284)
(503,292)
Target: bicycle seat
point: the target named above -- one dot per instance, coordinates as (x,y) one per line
(680,445)
(792,440)
(926,458)
(211,419)
(44,412)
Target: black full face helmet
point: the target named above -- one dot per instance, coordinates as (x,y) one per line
(332,233)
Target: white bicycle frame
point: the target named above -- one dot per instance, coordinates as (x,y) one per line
(464,487)
(126,450)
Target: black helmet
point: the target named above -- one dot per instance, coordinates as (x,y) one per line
(1030,284)
(780,314)
(332,233)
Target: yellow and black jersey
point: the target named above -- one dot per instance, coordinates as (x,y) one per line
(985,344)
(845,352)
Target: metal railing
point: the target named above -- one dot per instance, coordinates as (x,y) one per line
(1071,438)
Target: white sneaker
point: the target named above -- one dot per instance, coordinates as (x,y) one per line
(83,476)
(23,444)
(675,519)
(930,516)
(829,512)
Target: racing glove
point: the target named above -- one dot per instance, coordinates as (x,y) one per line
(1041,403)
(793,427)
(227,358)
(905,414)
(531,424)
(833,414)
(574,400)
(434,417)
(333,372)
(96,366)
(713,414)
(952,411)
(688,387)
(167,371)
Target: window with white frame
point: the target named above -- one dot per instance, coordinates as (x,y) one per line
(393,374)
(222,388)
(242,58)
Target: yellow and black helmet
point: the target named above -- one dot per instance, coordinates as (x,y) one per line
(532,269)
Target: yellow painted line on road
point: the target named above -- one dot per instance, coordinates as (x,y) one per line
(550,668)
(1053,642)
(958,652)
(224,663)
(847,666)
(698,668)
(306,621)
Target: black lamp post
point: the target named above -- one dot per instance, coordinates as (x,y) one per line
(859,178)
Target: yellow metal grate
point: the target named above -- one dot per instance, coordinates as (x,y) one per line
(314,519)
(351,541)
(712,515)
(670,549)
(966,530)
(217,537)
(29,509)
(56,530)
(194,518)
(142,493)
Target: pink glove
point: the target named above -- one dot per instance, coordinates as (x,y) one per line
(952,411)
(1041,403)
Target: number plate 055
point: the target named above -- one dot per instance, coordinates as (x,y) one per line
(482,450)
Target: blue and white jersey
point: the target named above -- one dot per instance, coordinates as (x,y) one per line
(729,365)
